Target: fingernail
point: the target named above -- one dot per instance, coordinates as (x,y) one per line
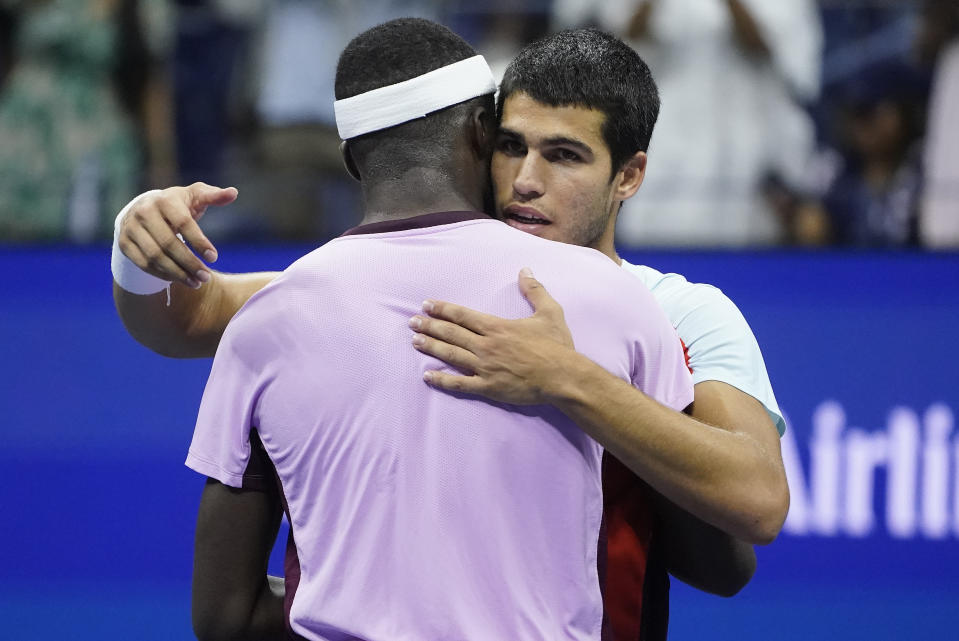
(527,272)
(416,322)
(427,306)
(194,283)
(428,377)
(209,256)
(418,339)
(203,276)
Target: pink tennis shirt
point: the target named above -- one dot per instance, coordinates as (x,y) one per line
(417,514)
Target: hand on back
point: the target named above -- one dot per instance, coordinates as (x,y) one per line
(508,360)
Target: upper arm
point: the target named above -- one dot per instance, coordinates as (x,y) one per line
(235,532)
(722,405)
(732,388)
(722,347)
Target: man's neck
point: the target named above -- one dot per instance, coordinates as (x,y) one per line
(415,194)
(607,244)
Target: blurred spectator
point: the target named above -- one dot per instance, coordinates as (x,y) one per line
(298,182)
(860,34)
(732,76)
(212,48)
(82,88)
(505,32)
(6,42)
(939,42)
(499,28)
(871,198)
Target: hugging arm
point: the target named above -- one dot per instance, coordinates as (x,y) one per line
(725,469)
(190,322)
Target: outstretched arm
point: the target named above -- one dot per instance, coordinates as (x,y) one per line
(187,321)
(729,475)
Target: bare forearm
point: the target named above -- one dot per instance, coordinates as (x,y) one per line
(192,324)
(702,555)
(722,477)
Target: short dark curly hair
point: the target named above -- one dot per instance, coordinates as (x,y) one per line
(593,69)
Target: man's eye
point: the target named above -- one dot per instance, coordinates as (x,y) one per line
(566,155)
(509,146)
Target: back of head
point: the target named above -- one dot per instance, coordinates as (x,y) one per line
(590,68)
(391,53)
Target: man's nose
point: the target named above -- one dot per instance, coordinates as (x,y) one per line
(528,182)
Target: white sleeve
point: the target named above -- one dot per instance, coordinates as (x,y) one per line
(722,347)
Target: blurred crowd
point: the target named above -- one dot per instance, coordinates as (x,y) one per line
(783,123)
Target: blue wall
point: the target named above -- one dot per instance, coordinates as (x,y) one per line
(98,507)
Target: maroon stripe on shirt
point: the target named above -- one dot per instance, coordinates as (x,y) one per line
(256,477)
(291,566)
(416,222)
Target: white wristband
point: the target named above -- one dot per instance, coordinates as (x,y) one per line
(125,272)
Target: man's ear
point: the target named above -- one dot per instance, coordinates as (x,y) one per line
(348,161)
(631,176)
(482,127)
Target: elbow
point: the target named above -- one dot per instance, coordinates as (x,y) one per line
(770,509)
(175,342)
(206,630)
(735,571)
(217,630)
(170,333)
(218,622)
(739,578)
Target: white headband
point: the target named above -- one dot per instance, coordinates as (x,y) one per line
(414,98)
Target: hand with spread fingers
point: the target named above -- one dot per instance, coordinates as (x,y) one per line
(147,232)
(511,361)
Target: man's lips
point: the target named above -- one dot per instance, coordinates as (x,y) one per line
(525,215)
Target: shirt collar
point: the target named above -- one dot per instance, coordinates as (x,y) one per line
(416,222)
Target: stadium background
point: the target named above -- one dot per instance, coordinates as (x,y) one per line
(98,509)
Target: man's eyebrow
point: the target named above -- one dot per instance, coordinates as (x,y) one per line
(555,141)
(566,141)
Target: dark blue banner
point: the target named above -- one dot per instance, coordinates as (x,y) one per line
(99,509)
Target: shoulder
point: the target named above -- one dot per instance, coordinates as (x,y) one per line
(274,309)
(682,300)
(701,313)
(602,280)
(721,344)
